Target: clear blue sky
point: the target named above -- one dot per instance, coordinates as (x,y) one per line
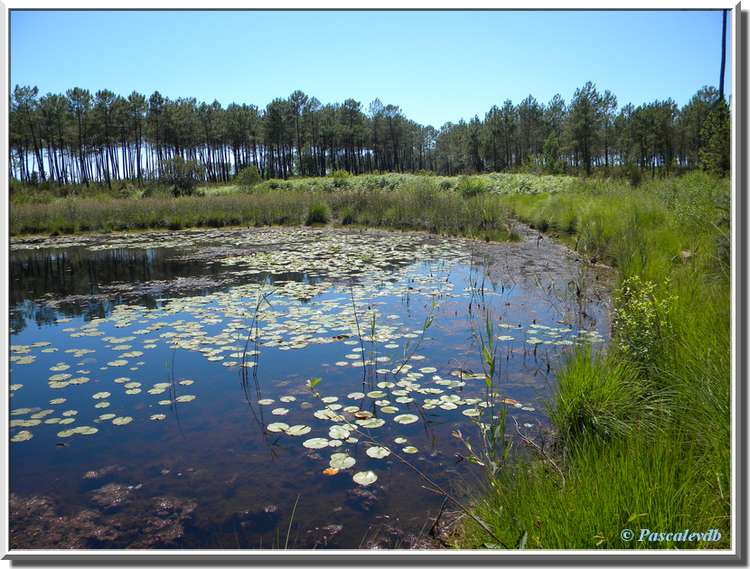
(437,66)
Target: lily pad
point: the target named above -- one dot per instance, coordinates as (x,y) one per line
(365,478)
(341,461)
(277,427)
(298,430)
(377,452)
(338,432)
(122,420)
(372,423)
(315,443)
(406,419)
(21,436)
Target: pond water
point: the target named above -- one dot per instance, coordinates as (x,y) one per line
(160,390)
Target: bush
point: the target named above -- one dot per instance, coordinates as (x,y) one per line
(276,184)
(470,186)
(318,214)
(182,175)
(248,177)
(340,178)
(642,321)
(633,174)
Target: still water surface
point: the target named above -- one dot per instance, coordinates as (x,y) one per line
(159,390)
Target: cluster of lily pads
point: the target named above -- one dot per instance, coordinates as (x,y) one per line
(345,299)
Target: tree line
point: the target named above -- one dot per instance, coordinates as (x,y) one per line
(77,137)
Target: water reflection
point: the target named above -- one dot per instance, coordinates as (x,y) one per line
(150,326)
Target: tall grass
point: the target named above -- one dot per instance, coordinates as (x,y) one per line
(73,215)
(630,483)
(418,204)
(643,431)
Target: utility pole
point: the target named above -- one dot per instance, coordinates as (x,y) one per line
(723,53)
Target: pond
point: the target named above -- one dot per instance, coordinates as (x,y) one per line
(161,391)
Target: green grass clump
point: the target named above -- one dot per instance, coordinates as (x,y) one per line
(347,216)
(600,399)
(471,186)
(644,431)
(642,481)
(318,214)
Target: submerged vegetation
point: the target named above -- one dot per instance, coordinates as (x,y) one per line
(377,314)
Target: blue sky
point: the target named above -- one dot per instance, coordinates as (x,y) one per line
(437,66)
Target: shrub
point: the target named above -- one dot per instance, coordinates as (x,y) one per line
(642,321)
(182,175)
(318,214)
(340,178)
(276,184)
(633,174)
(248,177)
(470,186)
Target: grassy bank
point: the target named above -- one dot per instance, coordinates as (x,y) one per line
(470,206)
(417,206)
(643,432)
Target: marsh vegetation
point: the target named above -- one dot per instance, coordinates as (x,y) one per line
(446,352)
(545,355)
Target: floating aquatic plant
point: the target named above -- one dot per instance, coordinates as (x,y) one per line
(121,420)
(298,430)
(406,419)
(21,436)
(365,478)
(377,452)
(341,461)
